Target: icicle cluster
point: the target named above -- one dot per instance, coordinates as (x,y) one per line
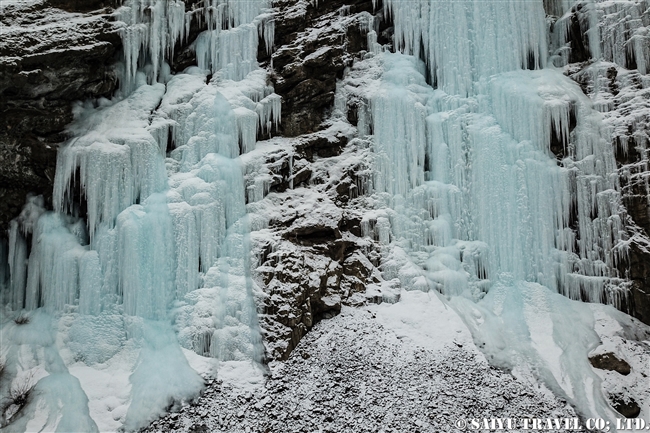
(473,188)
(230,45)
(462,42)
(617,32)
(149,195)
(625,34)
(153,27)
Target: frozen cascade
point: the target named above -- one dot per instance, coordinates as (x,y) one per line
(149,237)
(618,32)
(152,30)
(471,199)
(464,41)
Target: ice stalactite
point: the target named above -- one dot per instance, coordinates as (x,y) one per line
(154,28)
(149,234)
(617,32)
(229,47)
(464,41)
(151,32)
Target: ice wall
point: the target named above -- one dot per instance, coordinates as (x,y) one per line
(149,234)
(614,31)
(462,42)
(494,174)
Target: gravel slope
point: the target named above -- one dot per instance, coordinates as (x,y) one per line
(365,370)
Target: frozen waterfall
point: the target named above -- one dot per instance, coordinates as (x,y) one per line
(149,236)
(495,185)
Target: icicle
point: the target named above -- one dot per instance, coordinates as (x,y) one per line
(152,30)
(146,256)
(269,112)
(232,52)
(17,266)
(116,166)
(463,41)
(90,283)
(53,269)
(399,139)
(291,171)
(624,33)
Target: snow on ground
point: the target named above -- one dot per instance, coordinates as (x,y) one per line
(409,366)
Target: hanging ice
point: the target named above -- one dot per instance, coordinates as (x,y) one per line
(500,180)
(149,234)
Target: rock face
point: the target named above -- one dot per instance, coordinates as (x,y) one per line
(313,257)
(609,361)
(49,58)
(314,44)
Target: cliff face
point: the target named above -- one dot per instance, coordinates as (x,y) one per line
(312,257)
(315,44)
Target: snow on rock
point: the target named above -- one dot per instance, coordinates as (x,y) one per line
(623,338)
(49,58)
(315,44)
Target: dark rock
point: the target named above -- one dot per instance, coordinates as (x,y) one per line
(83,5)
(578,38)
(306,68)
(313,234)
(609,361)
(626,407)
(320,145)
(199,428)
(639,274)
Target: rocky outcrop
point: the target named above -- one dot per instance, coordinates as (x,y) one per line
(314,44)
(609,361)
(311,256)
(49,58)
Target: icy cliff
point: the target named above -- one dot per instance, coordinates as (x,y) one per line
(258,168)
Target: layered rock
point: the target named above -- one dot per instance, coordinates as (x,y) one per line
(314,44)
(311,256)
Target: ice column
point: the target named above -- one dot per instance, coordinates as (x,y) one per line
(153,27)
